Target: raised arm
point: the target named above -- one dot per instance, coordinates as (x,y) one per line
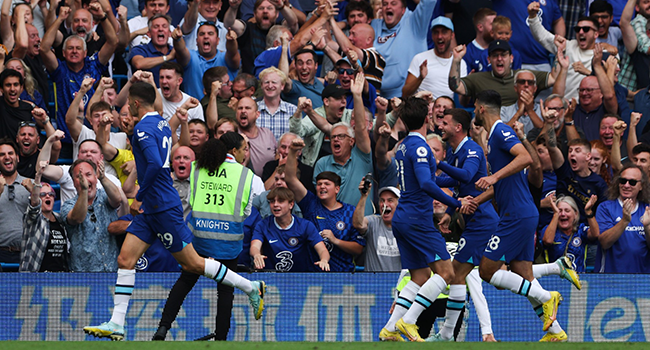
(72,119)
(629,36)
(191,16)
(569,125)
(562,68)
(124,34)
(290,18)
(304,104)
(606,86)
(283,65)
(362,138)
(557,158)
(51,172)
(212,112)
(78,213)
(230,18)
(455,83)
(381,148)
(359,221)
(615,156)
(549,234)
(113,192)
(181,52)
(535,172)
(103,134)
(632,139)
(290,170)
(21,37)
(344,42)
(543,36)
(6,32)
(103,14)
(232,51)
(49,58)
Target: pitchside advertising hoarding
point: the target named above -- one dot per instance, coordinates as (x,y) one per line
(307,307)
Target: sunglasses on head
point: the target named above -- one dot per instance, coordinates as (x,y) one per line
(585,29)
(348,71)
(623,181)
(24,123)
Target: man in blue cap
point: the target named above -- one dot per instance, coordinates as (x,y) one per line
(429,69)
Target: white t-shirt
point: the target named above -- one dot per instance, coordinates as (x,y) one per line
(169,108)
(67,184)
(117,139)
(437,78)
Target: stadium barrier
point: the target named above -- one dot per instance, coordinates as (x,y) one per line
(307,307)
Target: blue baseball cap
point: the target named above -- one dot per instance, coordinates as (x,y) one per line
(442,21)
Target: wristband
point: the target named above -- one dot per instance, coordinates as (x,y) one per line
(571,123)
(103,18)
(589,216)
(165,58)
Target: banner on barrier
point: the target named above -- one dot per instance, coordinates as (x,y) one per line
(306,307)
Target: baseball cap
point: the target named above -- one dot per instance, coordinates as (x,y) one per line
(442,21)
(333,90)
(394,190)
(499,45)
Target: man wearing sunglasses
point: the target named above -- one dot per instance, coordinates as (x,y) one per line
(580,50)
(13,202)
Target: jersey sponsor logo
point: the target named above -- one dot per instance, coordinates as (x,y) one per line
(293,241)
(422,160)
(140,133)
(471,152)
(272,241)
(421,151)
(384,39)
(340,225)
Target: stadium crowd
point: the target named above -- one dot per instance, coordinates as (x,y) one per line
(308,96)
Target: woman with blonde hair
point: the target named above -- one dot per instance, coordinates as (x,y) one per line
(565,236)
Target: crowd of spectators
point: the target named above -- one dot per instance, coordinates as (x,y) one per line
(314,90)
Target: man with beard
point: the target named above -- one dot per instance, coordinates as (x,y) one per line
(400,33)
(428,70)
(307,84)
(171,78)
(28,139)
(477,58)
(69,74)
(13,203)
(149,57)
(196,62)
(317,143)
(261,140)
(252,35)
(501,79)
(382,253)
(580,50)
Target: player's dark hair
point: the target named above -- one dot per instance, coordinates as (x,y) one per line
(330,176)
(362,6)
(489,98)
(213,153)
(173,66)
(79,161)
(413,111)
(590,19)
(613,192)
(580,142)
(641,148)
(7,73)
(232,140)
(460,116)
(143,92)
(281,194)
(100,106)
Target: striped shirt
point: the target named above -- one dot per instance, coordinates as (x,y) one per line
(277,122)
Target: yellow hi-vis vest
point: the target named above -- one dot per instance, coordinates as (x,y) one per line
(218,201)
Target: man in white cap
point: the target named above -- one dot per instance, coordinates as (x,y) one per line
(429,70)
(382,253)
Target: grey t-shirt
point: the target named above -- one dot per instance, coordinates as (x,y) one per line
(382,253)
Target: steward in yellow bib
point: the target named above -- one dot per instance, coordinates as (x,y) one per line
(220,197)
